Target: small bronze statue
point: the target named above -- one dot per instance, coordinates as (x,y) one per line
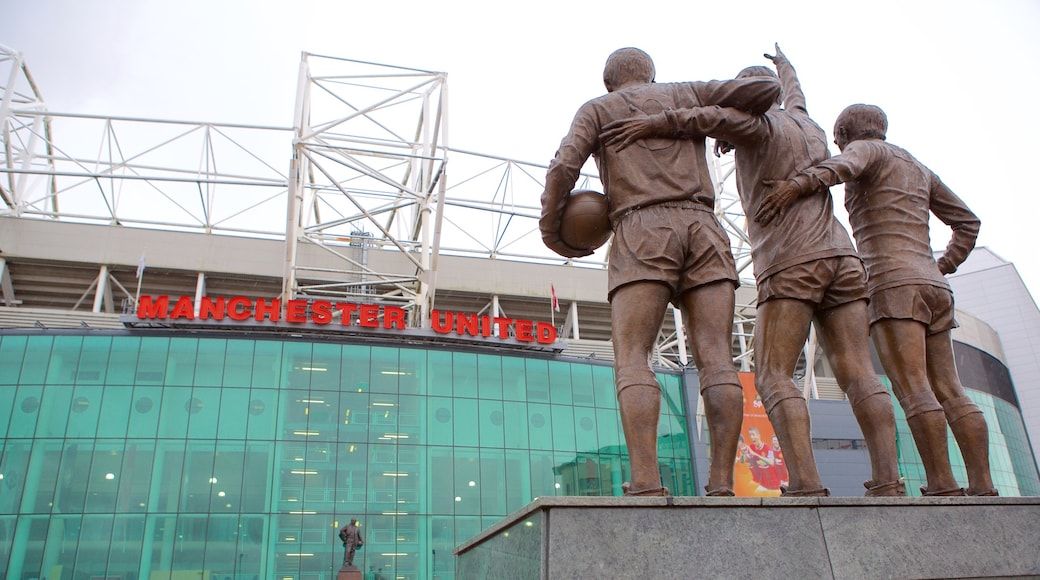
(805,268)
(668,247)
(350,534)
(889,195)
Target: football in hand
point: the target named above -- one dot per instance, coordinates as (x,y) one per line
(584,224)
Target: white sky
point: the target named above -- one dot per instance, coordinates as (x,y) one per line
(957,79)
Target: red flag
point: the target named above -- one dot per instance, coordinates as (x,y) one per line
(555,302)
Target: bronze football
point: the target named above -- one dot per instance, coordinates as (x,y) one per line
(584,224)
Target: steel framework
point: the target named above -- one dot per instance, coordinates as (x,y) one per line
(369,170)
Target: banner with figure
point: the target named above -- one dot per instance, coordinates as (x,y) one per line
(759,469)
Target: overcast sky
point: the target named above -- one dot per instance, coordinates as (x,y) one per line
(957,79)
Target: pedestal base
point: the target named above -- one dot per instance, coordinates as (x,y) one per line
(783,538)
(349,573)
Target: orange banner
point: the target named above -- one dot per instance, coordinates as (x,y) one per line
(759,469)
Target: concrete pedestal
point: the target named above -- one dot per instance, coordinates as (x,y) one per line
(349,573)
(783,538)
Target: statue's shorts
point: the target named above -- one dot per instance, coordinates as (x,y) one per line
(929,305)
(826,282)
(679,244)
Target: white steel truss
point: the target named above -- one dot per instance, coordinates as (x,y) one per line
(369,170)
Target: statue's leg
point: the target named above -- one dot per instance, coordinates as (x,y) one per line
(781,328)
(709,329)
(900,344)
(845,337)
(636,312)
(965,418)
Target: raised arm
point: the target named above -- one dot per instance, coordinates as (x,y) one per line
(856,157)
(719,122)
(793,96)
(965,225)
(752,95)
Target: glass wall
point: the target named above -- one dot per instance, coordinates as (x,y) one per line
(165,456)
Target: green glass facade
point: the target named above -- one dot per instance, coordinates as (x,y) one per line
(177,456)
(1010,457)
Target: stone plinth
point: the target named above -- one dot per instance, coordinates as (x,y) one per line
(349,573)
(783,538)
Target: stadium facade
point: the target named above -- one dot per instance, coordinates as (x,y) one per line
(204,373)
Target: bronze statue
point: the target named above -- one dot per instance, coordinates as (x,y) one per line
(889,195)
(668,247)
(805,268)
(350,534)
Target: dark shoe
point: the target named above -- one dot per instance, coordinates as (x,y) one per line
(953,491)
(891,489)
(653,491)
(719,492)
(991,492)
(819,492)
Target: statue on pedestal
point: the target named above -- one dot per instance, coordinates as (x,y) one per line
(350,534)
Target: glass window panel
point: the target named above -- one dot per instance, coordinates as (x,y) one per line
(209,366)
(492,484)
(94,360)
(585,430)
(413,371)
(353,416)
(492,418)
(84,412)
(412,419)
(189,546)
(238,364)
(73,468)
(439,421)
(489,376)
(439,369)
(151,362)
(26,411)
(203,411)
(581,385)
(135,476)
(122,362)
(145,411)
(12,352)
(297,364)
(539,426)
(234,414)
(537,380)
(543,478)
(7,407)
(467,480)
(515,421)
(385,368)
(466,428)
(464,374)
(326,367)
(383,416)
(267,364)
(64,360)
(104,478)
(562,427)
(257,474)
(560,383)
(36,361)
(180,364)
(14,466)
(514,387)
(608,429)
(174,412)
(517,478)
(115,406)
(603,386)
(263,414)
(442,481)
(54,411)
